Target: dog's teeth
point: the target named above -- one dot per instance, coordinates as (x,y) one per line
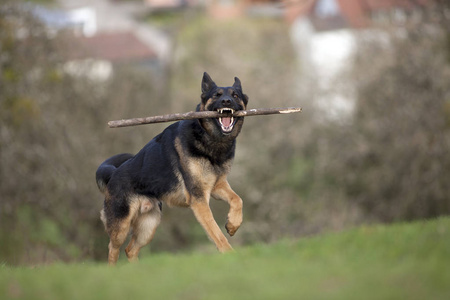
(225,110)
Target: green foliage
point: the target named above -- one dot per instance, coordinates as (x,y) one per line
(20,110)
(402,261)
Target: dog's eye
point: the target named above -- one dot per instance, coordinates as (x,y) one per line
(235,96)
(218,94)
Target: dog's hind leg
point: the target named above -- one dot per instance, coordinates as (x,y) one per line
(223,191)
(143,228)
(116,226)
(117,234)
(204,216)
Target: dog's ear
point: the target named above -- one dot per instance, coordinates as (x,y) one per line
(237,84)
(207,83)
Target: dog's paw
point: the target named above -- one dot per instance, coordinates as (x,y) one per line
(231,229)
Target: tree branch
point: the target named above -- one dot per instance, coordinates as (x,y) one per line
(201,115)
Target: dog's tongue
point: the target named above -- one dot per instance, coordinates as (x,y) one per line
(226,122)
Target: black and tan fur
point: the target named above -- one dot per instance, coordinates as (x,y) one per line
(183,166)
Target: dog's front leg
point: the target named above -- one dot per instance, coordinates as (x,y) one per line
(204,216)
(222,191)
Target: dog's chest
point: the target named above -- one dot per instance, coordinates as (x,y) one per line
(196,179)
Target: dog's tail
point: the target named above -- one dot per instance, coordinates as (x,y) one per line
(106,169)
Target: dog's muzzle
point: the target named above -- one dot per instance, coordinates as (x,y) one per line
(226,122)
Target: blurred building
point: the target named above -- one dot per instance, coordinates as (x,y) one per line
(81,21)
(101,42)
(96,56)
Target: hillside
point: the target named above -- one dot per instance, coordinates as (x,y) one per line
(400,261)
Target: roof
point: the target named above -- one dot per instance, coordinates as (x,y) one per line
(374,5)
(115,47)
(351,13)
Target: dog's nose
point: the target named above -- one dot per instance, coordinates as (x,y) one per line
(226,102)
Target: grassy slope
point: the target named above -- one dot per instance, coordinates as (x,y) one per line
(402,261)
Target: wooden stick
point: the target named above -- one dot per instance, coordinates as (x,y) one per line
(201,115)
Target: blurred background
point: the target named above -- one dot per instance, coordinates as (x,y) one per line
(371,145)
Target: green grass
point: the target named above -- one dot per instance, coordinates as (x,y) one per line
(400,261)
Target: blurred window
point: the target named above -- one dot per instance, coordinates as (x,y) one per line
(327,8)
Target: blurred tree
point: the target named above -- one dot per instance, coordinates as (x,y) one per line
(53,135)
(392,160)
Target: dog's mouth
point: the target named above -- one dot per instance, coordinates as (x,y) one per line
(226,122)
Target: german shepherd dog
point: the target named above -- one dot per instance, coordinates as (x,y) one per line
(184,165)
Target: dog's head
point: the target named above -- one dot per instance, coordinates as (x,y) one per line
(222,99)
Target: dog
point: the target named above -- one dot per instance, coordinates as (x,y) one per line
(183,166)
